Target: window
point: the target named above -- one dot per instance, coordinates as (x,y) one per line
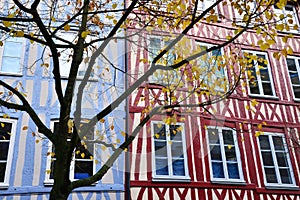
(12,54)
(275,160)
(66,54)
(7,134)
(169,155)
(287,16)
(293,65)
(246,9)
(82,165)
(162,77)
(224,155)
(259,75)
(212,76)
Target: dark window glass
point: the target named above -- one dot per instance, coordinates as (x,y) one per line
(2,171)
(218,171)
(264,142)
(161,166)
(83,169)
(271,175)
(233,170)
(178,167)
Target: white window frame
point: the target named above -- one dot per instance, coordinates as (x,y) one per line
(278,185)
(5,183)
(48,180)
(170,177)
(295,18)
(296,60)
(258,76)
(201,44)
(226,179)
(21,57)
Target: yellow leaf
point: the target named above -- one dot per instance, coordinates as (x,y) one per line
(1,43)
(290,50)
(37,141)
(259,126)
(19,34)
(6,116)
(229,147)
(112,127)
(125,150)
(82,155)
(67,27)
(102,120)
(247,107)
(6,23)
(279,27)
(114,6)
(48,171)
(118,141)
(157,135)
(123,133)
(96,162)
(285,39)
(25,128)
(264,123)
(103,147)
(84,34)
(53,19)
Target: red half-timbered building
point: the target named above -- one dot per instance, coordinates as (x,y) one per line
(247,153)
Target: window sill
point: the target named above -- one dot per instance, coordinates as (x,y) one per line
(171,179)
(263,96)
(3,186)
(11,74)
(229,182)
(282,187)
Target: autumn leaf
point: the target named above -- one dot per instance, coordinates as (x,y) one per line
(102,120)
(67,27)
(25,128)
(114,6)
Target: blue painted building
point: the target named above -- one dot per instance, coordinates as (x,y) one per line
(26,157)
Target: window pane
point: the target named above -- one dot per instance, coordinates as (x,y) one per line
(10,64)
(285,176)
(291,64)
(267,158)
(271,175)
(2,171)
(161,166)
(296,91)
(213,136)
(52,169)
(159,131)
(83,169)
(264,142)
(294,77)
(278,143)
(281,159)
(267,88)
(5,131)
(83,152)
(160,149)
(233,170)
(12,49)
(177,149)
(215,152)
(178,167)
(228,137)
(254,87)
(4,150)
(175,132)
(218,171)
(264,74)
(230,154)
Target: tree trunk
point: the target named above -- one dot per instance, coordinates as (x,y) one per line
(59,193)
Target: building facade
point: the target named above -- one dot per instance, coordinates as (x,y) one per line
(27,157)
(248,148)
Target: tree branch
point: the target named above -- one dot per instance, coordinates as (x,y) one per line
(26,107)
